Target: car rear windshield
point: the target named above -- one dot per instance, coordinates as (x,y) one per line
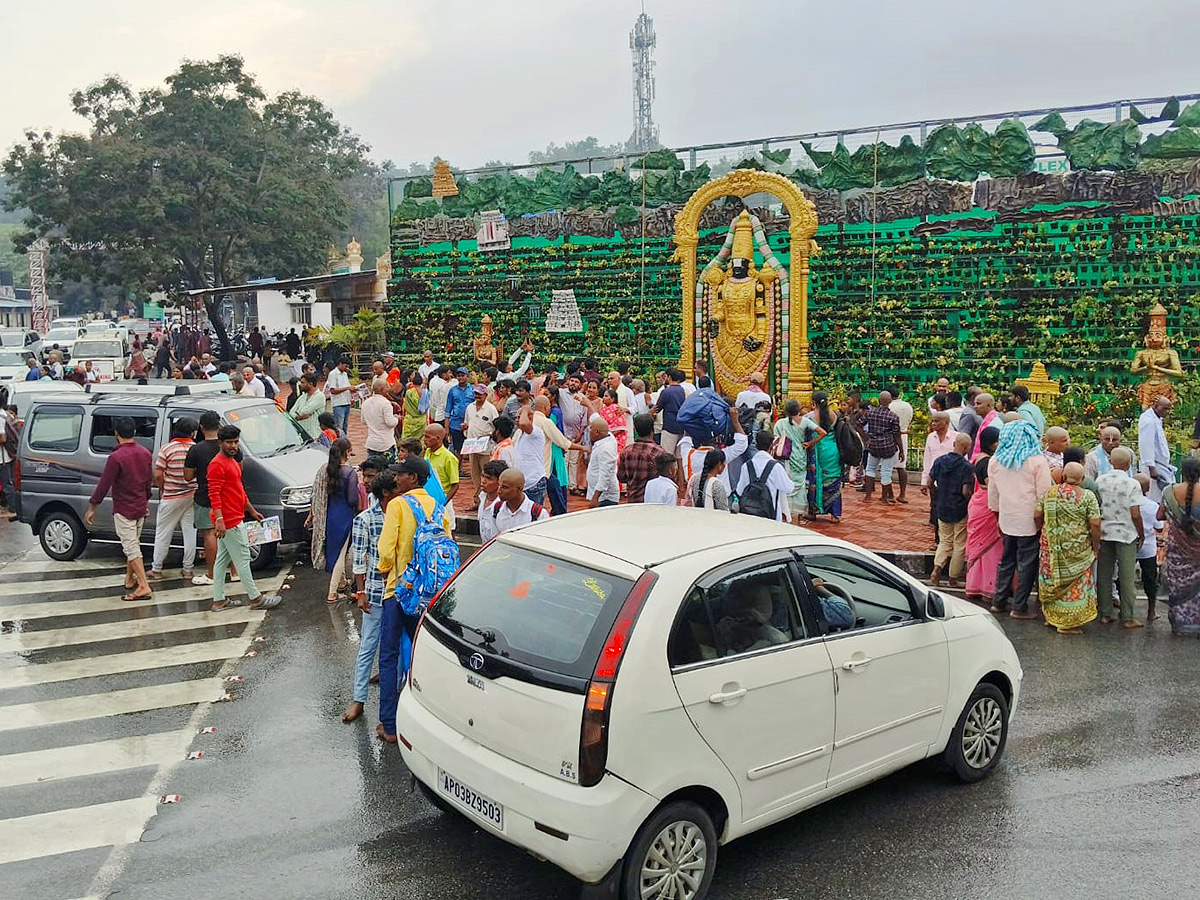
(12,339)
(102,349)
(10,358)
(533,609)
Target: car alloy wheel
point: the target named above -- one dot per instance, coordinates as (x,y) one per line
(675,862)
(982,732)
(60,536)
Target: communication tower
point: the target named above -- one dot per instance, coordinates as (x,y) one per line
(642,42)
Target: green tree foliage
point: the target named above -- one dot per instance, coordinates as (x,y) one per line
(200,183)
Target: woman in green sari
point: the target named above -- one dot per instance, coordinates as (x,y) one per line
(824,463)
(801,433)
(1069,519)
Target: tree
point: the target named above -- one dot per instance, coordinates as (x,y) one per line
(199,184)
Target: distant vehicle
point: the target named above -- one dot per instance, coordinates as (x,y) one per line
(65,337)
(67,322)
(27,338)
(621,705)
(12,364)
(67,438)
(107,355)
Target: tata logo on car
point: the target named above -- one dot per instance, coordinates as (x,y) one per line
(476,661)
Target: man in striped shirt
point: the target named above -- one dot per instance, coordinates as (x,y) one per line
(175,498)
(369,584)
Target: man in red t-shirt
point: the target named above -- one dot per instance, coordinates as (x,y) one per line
(230,506)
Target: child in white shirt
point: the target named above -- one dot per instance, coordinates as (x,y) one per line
(1147,555)
(664,489)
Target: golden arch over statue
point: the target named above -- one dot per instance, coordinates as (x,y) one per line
(749,293)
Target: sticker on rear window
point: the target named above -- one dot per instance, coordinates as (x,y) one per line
(232,416)
(521,591)
(594,586)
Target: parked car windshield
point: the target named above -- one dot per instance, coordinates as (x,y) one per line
(61,334)
(12,339)
(531,608)
(102,349)
(9,358)
(266,431)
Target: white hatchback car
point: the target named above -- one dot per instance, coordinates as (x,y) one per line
(620,691)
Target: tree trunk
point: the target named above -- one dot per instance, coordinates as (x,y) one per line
(212,305)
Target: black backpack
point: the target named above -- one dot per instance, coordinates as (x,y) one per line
(849,444)
(758,499)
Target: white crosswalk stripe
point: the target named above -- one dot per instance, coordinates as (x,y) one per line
(160,663)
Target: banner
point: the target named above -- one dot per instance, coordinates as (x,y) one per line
(493,231)
(563,316)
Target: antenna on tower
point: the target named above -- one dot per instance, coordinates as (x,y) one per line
(642,42)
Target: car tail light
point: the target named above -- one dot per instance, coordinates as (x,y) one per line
(412,654)
(593,735)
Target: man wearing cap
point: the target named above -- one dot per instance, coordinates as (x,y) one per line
(458,398)
(479,421)
(754,394)
(395,553)
(391,369)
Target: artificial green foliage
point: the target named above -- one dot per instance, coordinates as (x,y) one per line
(659,159)
(1012,150)
(750,163)
(1190,117)
(1175,143)
(1169,113)
(959,154)
(1095,145)
(977,306)
(418,188)
(778,157)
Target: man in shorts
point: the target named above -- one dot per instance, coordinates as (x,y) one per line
(129,474)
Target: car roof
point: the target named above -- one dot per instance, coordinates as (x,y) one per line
(647,535)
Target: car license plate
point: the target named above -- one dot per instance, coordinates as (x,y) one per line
(469,798)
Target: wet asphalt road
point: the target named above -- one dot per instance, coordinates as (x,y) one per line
(1098,795)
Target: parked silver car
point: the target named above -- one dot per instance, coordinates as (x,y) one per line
(67,438)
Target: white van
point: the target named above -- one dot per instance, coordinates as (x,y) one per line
(106,353)
(620,691)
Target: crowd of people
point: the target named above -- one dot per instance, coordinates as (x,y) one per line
(1013,504)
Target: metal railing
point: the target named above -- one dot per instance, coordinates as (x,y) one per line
(694,154)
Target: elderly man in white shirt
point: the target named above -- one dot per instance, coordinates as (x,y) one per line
(1153,447)
(428,365)
(512,508)
(603,489)
(253,385)
(379,415)
(754,394)
(529,445)
(777,479)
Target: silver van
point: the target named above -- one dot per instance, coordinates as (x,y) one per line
(67,438)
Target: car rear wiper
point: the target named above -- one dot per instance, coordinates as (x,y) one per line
(489,636)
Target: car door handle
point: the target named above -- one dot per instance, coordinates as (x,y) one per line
(851,664)
(725,696)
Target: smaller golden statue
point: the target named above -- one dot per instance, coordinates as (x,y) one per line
(354,257)
(486,353)
(1158,361)
(444,184)
(1042,390)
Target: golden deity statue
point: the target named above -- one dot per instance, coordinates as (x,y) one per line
(741,316)
(1158,361)
(486,354)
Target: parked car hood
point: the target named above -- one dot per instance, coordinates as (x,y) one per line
(296,468)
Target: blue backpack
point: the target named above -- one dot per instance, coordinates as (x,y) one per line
(434,560)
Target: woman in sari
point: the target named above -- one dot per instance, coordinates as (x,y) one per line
(984,545)
(616,417)
(823,467)
(802,433)
(1181,508)
(1069,519)
(334,505)
(414,420)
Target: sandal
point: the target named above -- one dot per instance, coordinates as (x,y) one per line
(228,603)
(266,601)
(129,596)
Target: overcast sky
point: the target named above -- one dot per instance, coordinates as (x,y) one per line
(473,80)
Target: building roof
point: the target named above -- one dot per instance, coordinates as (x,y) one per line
(287,284)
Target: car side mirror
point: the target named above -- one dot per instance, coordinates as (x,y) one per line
(935,606)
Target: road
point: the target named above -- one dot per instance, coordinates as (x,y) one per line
(101,703)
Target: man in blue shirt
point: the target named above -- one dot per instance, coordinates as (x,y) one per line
(1028,410)
(369,582)
(670,399)
(460,396)
(35,371)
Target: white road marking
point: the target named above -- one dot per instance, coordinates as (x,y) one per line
(114,631)
(21,590)
(46,564)
(49,609)
(113,703)
(134,661)
(48,834)
(40,766)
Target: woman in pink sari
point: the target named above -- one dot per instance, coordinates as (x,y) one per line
(984,546)
(615,416)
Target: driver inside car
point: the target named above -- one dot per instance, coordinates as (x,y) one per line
(836,610)
(746,624)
